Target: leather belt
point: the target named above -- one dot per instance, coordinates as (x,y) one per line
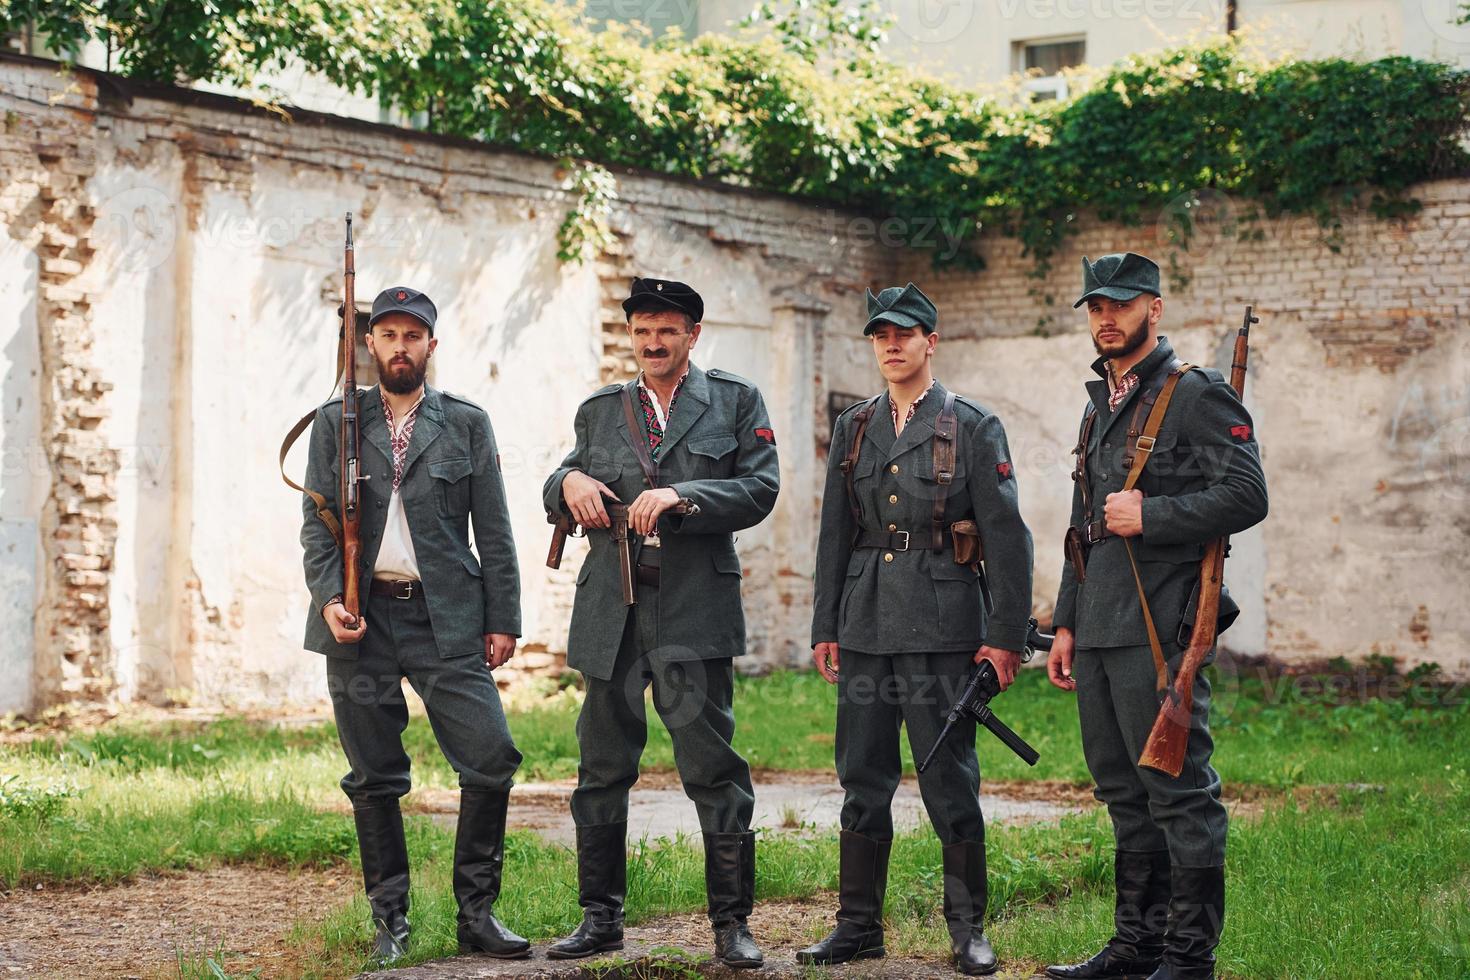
(895,541)
(396,589)
(1095,531)
(647,575)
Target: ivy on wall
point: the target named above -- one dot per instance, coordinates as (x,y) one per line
(809,107)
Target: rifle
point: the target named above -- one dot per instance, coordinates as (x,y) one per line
(350,441)
(974,703)
(567,526)
(1167,742)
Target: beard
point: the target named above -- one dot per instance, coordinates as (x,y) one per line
(1132,340)
(404,377)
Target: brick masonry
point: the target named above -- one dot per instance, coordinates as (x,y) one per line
(1360,382)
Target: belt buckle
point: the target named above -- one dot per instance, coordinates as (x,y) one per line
(403,590)
(1087,530)
(905,545)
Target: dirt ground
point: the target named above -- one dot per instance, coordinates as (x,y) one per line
(140,929)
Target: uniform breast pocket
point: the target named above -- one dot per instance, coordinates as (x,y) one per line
(713,456)
(451,478)
(1171,467)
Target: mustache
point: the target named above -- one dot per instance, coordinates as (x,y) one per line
(657,352)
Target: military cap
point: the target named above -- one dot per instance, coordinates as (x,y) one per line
(665,294)
(903,306)
(1120,276)
(401,299)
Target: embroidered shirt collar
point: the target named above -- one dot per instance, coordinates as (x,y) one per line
(909,416)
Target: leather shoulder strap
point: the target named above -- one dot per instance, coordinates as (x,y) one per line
(639,439)
(849,462)
(1145,446)
(945,429)
(322,510)
(1079,470)
(1141,454)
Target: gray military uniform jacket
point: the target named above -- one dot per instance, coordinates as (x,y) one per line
(451,481)
(717,450)
(886,600)
(1203,480)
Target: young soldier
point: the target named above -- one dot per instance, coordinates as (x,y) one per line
(1202,480)
(432,613)
(898,624)
(674,434)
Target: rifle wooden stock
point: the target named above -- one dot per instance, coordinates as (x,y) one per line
(350,442)
(1168,741)
(564,527)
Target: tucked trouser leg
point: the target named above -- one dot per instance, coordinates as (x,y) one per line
(1182,814)
(612,730)
(461,700)
(371,714)
(1105,746)
(950,788)
(1186,810)
(868,761)
(695,701)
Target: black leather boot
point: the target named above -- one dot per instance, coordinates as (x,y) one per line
(1140,915)
(384,875)
(479,856)
(1196,916)
(729,884)
(966,892)
(862,879)
(602,886)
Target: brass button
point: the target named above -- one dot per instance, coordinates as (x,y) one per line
(893,527)
(893,498)
(893,468)
(888,557)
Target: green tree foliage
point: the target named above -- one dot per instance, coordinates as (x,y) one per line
(805,105)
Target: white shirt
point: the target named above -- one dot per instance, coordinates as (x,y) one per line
(396,560)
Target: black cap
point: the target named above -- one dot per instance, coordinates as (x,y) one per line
(1120,276)
(903,306)
(401,299)
(665,294)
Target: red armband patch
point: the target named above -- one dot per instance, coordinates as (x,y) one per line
(1004,469)
(1241,432)
(766,435)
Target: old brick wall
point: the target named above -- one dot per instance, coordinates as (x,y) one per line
(1359,385)
(205,235)
(174,263)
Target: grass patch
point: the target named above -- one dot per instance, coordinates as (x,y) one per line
(1369,880)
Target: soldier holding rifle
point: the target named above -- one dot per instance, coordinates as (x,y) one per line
(920,484)
(691,458)
(1167,464)
(429,610)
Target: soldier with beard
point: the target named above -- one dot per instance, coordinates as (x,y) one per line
(433,614)
(1126,608)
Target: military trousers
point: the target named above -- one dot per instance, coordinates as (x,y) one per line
(878,693)
(459,695)
(693,698)
(1117,703)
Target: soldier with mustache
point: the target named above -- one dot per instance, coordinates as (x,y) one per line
(675,433)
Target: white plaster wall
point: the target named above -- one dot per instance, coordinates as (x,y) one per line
(516,334)
(24,474)
(132,279)
(1035,385)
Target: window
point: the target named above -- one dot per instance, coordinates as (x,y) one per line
(1042,62)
